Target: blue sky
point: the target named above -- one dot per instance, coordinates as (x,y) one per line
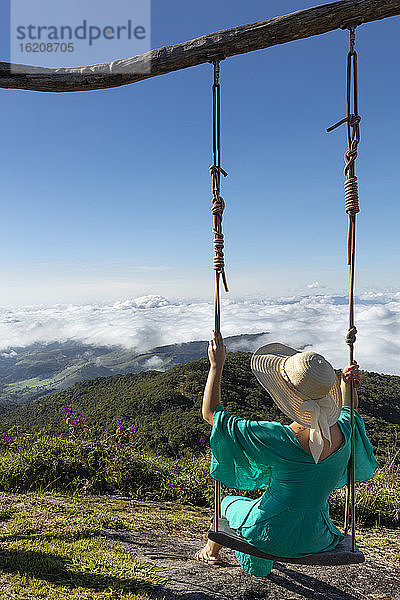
(106,194)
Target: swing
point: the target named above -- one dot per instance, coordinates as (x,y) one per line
(346,552)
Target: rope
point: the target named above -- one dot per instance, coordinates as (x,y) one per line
(218,206)
(352,121)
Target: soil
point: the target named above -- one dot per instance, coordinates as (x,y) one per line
(187,579)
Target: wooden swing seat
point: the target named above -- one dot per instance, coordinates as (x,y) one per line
(341,555)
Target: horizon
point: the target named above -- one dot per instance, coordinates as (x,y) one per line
(316,322)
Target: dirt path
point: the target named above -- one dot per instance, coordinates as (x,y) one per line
(187,579)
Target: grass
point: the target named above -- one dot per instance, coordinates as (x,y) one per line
(53,548)
(380,544)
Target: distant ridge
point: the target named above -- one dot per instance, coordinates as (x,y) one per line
(28,373)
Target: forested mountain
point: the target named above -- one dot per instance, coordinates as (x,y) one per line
(27,373)
(166,406)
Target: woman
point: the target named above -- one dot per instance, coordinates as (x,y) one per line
(300,464)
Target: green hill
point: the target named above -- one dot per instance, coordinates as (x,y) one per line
(166,406)
(28,373)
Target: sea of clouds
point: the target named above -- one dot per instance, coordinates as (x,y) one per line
(313,322)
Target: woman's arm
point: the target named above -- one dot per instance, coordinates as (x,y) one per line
(350,373)
(212,391)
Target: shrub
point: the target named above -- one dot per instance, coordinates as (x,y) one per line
(377,500)
(39,462)
(46,463)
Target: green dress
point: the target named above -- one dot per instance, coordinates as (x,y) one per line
(292,516)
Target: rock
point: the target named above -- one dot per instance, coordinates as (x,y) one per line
(187,579)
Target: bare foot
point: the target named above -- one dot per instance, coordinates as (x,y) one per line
(208,554)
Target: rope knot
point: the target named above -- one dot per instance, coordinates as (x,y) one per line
(351,196)
(218,206)
(219,259)
(215,170)
(351,336)
(354,120)
(350,158)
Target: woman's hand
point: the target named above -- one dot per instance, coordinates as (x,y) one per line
(352,374)
(212,391)
(217,351)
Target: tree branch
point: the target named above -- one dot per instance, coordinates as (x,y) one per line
(225,43)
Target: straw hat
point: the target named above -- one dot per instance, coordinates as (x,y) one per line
(304,386)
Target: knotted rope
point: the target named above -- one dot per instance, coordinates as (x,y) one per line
(352,121)
(351,336)
(218,204)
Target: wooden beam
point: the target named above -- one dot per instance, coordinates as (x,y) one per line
(228,42)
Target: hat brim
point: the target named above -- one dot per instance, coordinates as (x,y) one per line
(266,366)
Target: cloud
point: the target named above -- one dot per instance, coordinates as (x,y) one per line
(314,322)
(246,345)
(152,363)
(9,354)
(314,285)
